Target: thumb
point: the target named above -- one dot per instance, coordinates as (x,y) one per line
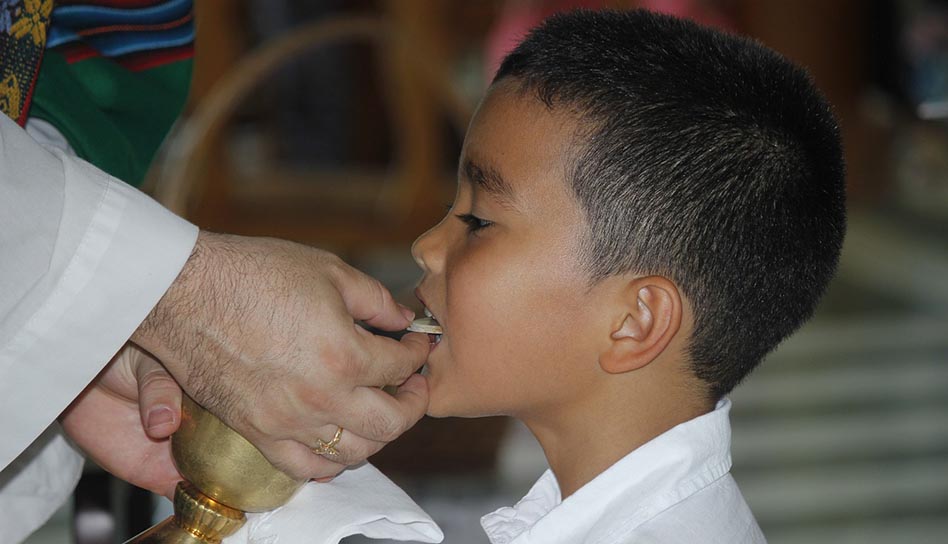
(368,300)
(159,399)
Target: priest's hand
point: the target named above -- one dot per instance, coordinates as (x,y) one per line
(264,334)
(106,421)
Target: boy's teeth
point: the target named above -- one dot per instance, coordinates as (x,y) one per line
(428,313)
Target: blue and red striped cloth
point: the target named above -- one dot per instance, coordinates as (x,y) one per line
(138,34)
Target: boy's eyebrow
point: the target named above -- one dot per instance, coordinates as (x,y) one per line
(490,181)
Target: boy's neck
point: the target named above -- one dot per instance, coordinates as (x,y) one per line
(582,440)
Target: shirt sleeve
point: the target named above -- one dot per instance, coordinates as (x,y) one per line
(83,259)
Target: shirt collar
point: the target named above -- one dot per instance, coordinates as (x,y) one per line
(653,477)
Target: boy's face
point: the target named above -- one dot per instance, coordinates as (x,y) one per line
(502,271)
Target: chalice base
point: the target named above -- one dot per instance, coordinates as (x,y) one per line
(197,519)
(167,532)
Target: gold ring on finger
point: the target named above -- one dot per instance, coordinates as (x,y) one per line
(328,448)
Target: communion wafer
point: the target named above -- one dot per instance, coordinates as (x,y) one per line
(426,325)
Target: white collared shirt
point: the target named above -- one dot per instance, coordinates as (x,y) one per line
(674,489)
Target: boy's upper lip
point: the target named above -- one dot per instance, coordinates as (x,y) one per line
(424,303)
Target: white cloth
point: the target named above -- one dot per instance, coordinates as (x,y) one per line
(36,483)
(83,259)
(359,501)
(674,489)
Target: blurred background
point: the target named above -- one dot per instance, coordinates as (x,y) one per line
(338,123)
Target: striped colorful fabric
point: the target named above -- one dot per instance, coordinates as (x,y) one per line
(138,34)
(114,77)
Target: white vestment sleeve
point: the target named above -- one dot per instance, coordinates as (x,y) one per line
(36,483)
(83,259)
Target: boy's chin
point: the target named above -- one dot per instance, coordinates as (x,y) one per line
(447,399)
(437,413)
(440,402)
(441,407)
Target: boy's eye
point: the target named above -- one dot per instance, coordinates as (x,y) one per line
(473,222)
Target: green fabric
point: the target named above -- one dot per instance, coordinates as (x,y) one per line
(113,118)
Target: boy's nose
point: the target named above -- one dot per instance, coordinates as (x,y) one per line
(424,250)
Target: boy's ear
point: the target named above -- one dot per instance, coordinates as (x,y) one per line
(649,317)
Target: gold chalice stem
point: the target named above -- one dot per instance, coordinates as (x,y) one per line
(197,519)
(225,477)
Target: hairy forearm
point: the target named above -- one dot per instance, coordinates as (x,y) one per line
(180,324)
(227,308)
(160,330)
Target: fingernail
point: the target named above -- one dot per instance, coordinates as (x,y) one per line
(409,315)
(160,415)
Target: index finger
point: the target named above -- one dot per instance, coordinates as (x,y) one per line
(368,300)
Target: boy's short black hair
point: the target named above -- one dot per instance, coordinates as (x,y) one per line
(707,158)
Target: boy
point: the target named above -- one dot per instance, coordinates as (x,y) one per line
(645,209)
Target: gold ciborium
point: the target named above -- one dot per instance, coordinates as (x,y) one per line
(225,476)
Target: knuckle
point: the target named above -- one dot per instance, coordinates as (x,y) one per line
(307,400)
(156,378)
(395,374)
(293,471)
(336,359)
(334,266)
(385,427)
(326,469)
(333,260)
(381,295)
(320,402)
(298,463)
(354,455)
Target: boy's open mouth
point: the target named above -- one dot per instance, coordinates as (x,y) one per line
(429,325)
